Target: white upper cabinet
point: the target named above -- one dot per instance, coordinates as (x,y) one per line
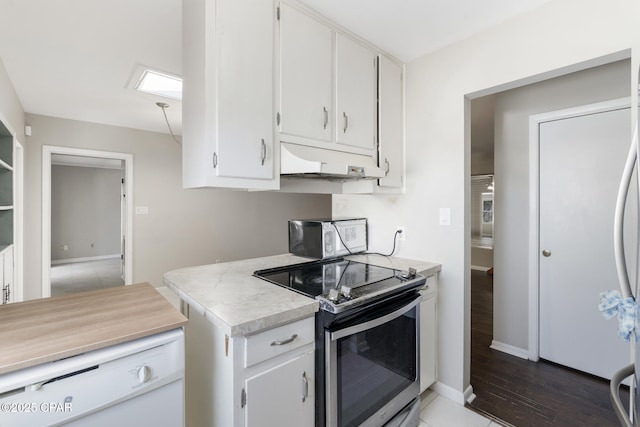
(257,73)
(355,94)
(327,86)
(306,63)
(228,114)
(391,122)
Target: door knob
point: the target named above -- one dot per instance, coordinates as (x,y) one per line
(546,253)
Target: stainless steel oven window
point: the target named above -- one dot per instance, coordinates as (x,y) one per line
(372,368)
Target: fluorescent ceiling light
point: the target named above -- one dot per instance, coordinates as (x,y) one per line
(160,84)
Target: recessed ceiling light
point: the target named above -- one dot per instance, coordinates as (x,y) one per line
(161,84)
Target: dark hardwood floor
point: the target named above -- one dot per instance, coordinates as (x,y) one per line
(519,392)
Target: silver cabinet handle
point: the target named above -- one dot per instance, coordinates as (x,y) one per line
(215,160)
(287,341)
(326,117)
(305,387)
(386,161)
(546,253)
(346,122)
(263,147)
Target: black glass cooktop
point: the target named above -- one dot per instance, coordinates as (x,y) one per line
(316,278)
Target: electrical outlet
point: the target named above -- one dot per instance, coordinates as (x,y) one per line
(403,233)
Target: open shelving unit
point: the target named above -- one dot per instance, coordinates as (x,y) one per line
(6,213)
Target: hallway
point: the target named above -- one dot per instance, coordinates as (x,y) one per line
(519,392)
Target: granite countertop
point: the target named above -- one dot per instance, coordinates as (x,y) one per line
(49,329)
(240,304)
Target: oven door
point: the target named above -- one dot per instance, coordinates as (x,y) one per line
(372,364)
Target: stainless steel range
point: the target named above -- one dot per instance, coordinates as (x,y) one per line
(367,340)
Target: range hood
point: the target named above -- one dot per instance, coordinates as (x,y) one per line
(303,161)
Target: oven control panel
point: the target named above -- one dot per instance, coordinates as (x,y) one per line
(346,297)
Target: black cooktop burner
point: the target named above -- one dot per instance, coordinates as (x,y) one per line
(317,278)
(339,284)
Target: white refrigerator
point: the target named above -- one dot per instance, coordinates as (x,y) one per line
(622,304)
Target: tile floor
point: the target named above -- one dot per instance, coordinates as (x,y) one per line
(438,411)
(84,276)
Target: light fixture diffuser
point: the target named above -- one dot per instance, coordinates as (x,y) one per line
(160,84)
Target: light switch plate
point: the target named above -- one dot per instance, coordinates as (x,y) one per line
(445,216)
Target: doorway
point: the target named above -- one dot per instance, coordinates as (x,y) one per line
(88,159)
(508,303)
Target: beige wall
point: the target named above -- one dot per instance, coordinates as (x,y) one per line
(558,37)
(10,106)
(512,111)
(85,212)
(183,227)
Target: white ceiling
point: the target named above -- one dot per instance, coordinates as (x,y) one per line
(75,58)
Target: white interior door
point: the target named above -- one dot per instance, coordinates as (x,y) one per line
(581,162)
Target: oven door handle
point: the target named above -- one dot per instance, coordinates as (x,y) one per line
(355,329)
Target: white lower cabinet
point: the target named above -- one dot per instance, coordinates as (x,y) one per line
(282,394)
(260,380)
(428,334)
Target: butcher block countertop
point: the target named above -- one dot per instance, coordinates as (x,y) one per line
(48,329)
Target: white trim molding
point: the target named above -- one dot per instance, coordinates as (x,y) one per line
(84,259)
(452,394)
(47,151)
(509,349)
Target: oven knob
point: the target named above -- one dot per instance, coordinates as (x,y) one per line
(144,373)
(334,295)
(409,274)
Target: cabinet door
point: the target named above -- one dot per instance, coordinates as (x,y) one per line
(245,31)
(356,94)
(283,395)
(306,63)
(391,122)
(5,296)
(7,282)
(428,351)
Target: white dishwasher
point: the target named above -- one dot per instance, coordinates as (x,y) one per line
(140,382)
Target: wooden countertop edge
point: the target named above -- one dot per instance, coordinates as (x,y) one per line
(52,357)
(45,330)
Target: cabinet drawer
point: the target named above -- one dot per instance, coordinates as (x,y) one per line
(265,345)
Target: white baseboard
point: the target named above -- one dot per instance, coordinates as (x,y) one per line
(449,392)
(84,259)
(480,268)
(509,349)
(469,395)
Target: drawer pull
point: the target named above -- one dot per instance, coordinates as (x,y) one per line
(287,341)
